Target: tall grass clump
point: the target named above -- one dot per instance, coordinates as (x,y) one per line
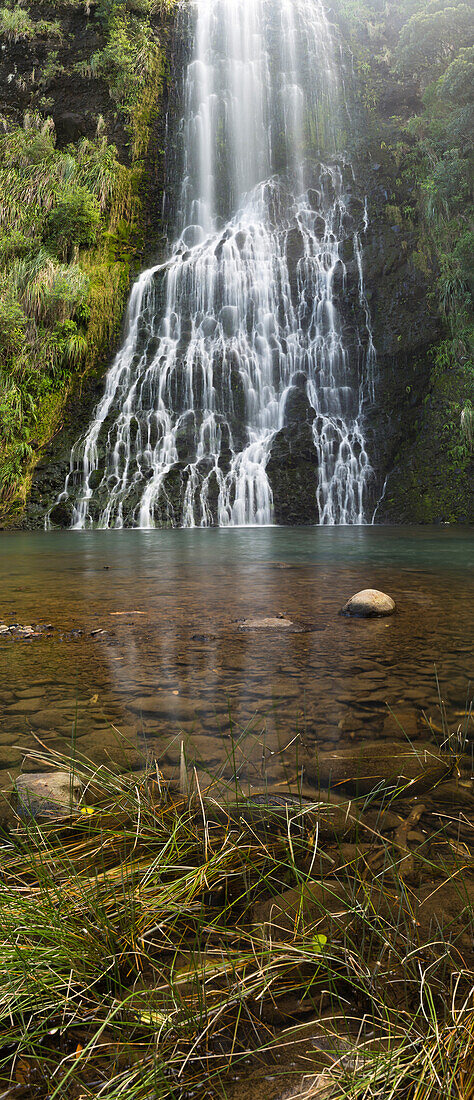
(154,943)
(16,25)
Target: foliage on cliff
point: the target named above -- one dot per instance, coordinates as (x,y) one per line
(71,212)
(424,50)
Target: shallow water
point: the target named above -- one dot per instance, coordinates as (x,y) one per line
(174,661)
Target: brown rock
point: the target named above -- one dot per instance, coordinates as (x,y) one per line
(405,721)
(49,718)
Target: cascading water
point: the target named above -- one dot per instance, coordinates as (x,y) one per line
(237,353)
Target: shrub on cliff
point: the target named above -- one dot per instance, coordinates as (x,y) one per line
(52,206)
(16,24)
(73,222)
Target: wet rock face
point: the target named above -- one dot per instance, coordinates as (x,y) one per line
(50,472)
(185,438)
(292,472)
(297,408)
(77,101)
(406,424)
(292,467)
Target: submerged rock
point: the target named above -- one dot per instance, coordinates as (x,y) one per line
(46,794)
(266,624)
(383,765)
(301,908)
(369,604)
(18,632)
(333,816)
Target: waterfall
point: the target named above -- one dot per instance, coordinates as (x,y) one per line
(237,347)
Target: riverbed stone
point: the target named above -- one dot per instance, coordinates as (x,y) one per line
(164,705)
(406,721)
(47,718)
(26,706)
(46,794)
(10,756)
(380,765)
(369,604)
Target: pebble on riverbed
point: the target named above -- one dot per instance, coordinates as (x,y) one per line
(18,632)
(369,604)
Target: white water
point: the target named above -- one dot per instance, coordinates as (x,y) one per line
(248,299)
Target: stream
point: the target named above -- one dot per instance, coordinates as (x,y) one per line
(154,637)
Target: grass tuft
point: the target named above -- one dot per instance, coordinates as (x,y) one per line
(155,940)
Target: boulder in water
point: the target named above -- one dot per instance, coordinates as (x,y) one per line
(292,474)
(185,437)
(229,319)
(369,604)
(95,478)
(299,379)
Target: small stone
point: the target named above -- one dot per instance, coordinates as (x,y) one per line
(369,604)
(46,794)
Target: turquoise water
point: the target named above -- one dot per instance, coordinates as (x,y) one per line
(430,548)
